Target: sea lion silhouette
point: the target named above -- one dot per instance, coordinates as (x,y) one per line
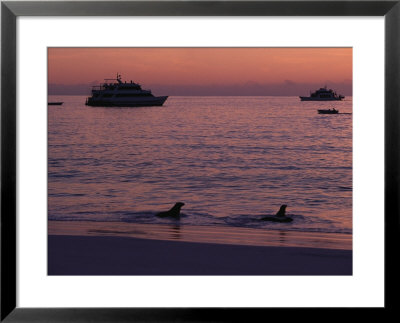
(174,212)
(282,211)
(280,216)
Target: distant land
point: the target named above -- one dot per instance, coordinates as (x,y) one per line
(286,88)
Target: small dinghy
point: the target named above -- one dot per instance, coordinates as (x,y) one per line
(55,103)
(329,111)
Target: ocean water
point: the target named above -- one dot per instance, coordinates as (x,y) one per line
(231,160)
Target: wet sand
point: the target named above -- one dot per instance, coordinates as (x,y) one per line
(77,255)
(95,251)
(203,234)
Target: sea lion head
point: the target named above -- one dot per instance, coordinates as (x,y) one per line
(179,204)
(282,210)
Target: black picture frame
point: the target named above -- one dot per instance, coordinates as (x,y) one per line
(10,10)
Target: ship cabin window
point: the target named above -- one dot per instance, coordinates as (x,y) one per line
(128,95)
(129,87)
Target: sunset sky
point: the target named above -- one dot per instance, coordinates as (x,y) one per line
(203,71)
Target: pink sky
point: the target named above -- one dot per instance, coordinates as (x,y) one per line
(185,69)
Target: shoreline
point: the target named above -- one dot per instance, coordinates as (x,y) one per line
(114,248)
(204,234)
(106,255)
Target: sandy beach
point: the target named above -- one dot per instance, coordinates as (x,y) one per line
(88,252)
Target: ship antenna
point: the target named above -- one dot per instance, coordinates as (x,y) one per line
(118,78)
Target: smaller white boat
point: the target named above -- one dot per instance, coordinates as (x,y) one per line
(329,111)
(323,94)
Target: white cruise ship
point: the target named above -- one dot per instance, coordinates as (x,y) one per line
(123,94)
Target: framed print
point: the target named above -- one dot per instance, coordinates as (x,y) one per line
(162,158)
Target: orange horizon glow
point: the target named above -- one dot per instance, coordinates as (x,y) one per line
(200,66)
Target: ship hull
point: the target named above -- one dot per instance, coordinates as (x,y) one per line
(328,111)
(306,98)
(150,102)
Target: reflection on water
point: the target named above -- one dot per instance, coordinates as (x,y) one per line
(231,160)
(282,235)
(203,234)
(176,231)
